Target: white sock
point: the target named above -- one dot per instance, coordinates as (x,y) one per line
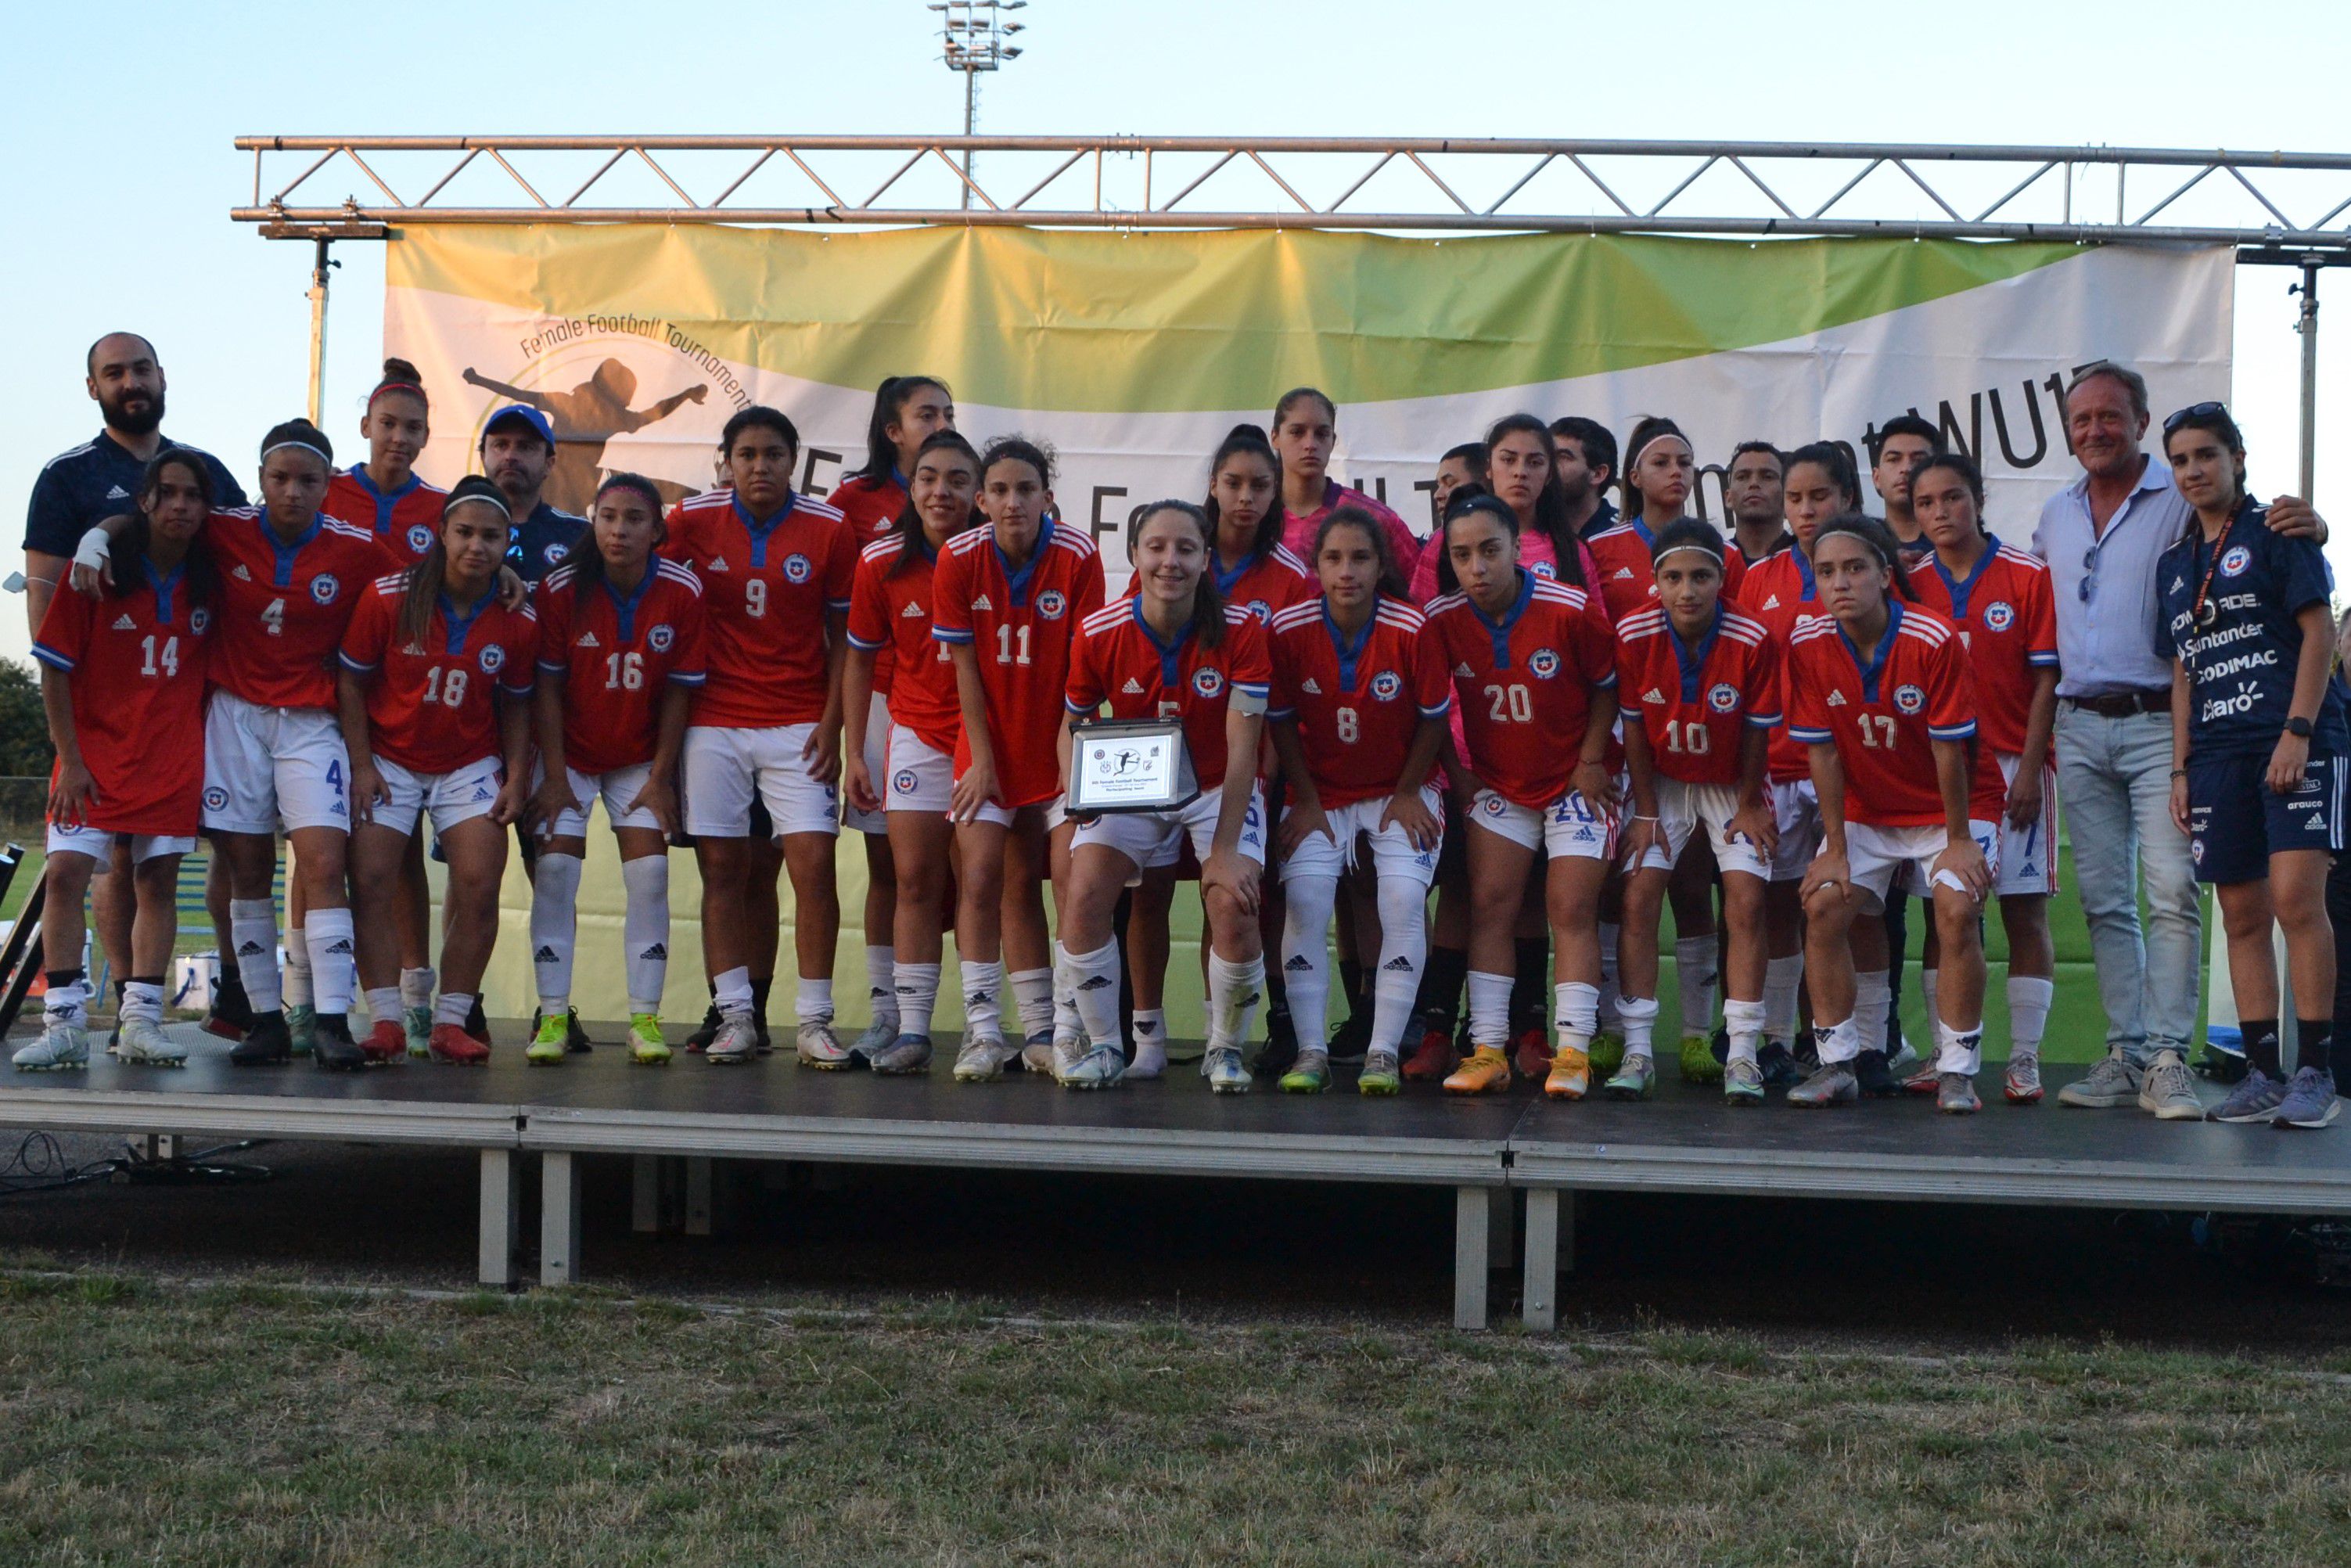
(1872,997)
(1091,981)
(1575,1013)
(1611,937)
(1745,1022)
(1782,980)
(1069,1028)
(253,928)
(1958,1049)
(2029,997)
(416,988)
(1404,952)
(1150,1044)
(1928,983)
(141,1001)
(983,1000)
(1489,1010)
(383,1005)
(1033,990)
(1640,1018)
(334,958)
(453,1008)
(66,1006)
(731,991)
(644,930)
(1305,955)
(1696,976)
(1837,1042)
(1234,992)
(812,1000)
(299,991)
(554,929)
(914,993)
(881,987)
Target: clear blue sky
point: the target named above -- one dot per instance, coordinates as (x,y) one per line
(120,174)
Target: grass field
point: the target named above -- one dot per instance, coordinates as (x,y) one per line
(252,1423)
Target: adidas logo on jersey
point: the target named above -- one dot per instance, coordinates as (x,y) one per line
(1623,573)
(241,574)
(719,564)
(1772,602)
(587,640)
(1462,672)
(982,603)
(1311,686)
(117,493)
(414,649)
(124,623)
(1653,695)
(1836,699)
(1133,688)
(912,612)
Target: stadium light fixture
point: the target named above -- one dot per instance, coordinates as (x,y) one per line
(974,32)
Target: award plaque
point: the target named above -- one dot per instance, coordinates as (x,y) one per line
(1130,764)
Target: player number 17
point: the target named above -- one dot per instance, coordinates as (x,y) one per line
(1877,731)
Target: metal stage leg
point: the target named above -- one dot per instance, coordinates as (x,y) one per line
(1472,1212)
(698,1204)
(501,1201)
(644,1193)
(1539,1299)
(559,1218)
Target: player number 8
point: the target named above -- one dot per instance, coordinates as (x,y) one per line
(1349,729)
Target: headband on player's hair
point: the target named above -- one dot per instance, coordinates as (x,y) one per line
(304,445)
(473,487)
(1655,436)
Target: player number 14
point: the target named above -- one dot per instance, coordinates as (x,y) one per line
(165,659)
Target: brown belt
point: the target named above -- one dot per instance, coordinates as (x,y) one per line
(2122,704)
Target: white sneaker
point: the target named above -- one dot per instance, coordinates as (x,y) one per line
(146,1043)
(1096,1069)
(984,1060)
(61,1046)
(1226,1072)
(737,1041)
(819,1047)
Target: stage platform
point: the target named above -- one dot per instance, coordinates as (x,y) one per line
(1487,1150)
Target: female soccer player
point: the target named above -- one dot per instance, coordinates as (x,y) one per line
(1701,687)
(2258,774)
(891,610)
(1999,600)
(775,569)
(1007,599)
(907,410)
(437,678)
(1361,695)
(1521,467)
(123,686)
(1534,665)
(1880,695)
(1305,433)
(1177,651)
(619,656)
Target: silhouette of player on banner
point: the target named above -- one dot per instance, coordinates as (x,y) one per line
(585,418)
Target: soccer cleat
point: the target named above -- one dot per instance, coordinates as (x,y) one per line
(1743,1084)
(2255,1098)
(1607,1051)
(1924,1079)
(646,1046)
(302,1027)
(1832,1083)
(1777,1065)
(385,1041)
(984,1060)
(1309,1075)
(575,1034)
(1379,1076)
(1698,1063)
(2167,1091)
(877,1038)
(711,1024)
(1280,1045)
(1225,1071)
(416,1027)
(1903,1055)
(231,1013)
(906,1055)
(62,1046)
(1037,1054)
(1873,1077)
(1531,1049)
(144,1044)
(451,1044)
(2310,1100)
(1099,1066)
(332,1049)
(1955,1096)
(1571,1073)
(1488,1071)
(2110,1083)
(550,1046)
(1433,1060)
(1352,1038)
(737,1042)
(818,1047)
(1632,1081)
(2021,1084)
(265,1043)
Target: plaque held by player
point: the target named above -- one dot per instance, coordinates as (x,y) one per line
(1130,764)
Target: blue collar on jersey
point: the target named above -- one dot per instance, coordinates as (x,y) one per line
(1960,591)
(1641,529)
(459,629)
(164,585)
(1500,630)
(383,503)
(1016,582)
(626,609)
(1171,655)
(1225,579)
(900,480)
(1693,661)
(762,530)
(284,577)
(1874,665)
(1347,655)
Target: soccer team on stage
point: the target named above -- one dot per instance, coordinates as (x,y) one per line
(1562,716)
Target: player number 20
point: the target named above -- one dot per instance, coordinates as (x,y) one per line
(445,687)
(1510,705)
(625,672)
(1689,738)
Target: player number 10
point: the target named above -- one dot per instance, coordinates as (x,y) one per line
(1688,739)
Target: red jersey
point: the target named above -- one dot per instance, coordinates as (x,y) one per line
(284,607)
(136,665)
(767,585)
(1264,584)
(872,509)
(1778,592)
(1628,571)
(1884,708)
(405,522)
(1526,682)
(2007,619)
(429,704)
(1119,660)
(1298,530)
(1021,625)
(617,656)
(1696,705)
(1357,705)
(1535,553)
(890,609)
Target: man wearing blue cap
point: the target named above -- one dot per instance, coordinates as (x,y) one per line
(517,452)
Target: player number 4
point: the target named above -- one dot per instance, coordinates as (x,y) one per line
(273,616)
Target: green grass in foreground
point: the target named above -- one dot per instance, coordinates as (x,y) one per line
(248,1424)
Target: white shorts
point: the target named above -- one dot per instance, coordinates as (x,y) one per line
(1392,850)
(1876,856)
(723,769)
(1156,838)
(98,843)
(1057,811)
(268,767)
(1682,808)
(878,730)
(1797,811)
(457,796)
(1566,828)
(2028,855)
(619,788)
(919,778)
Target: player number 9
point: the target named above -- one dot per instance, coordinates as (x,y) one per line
(754,597)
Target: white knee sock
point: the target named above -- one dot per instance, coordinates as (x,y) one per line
(1150,1044)
(1695,973)
(1956,1050)
(554,929)
(1744,1020)
(141,1001)
(65,1006)
(983,1000)
(914,993)
(1782,980)
(334,959)
(812,1000)
(1640,1017)
(644,930)
(881,987)
(731,992)
(1872,997)
(1032,990)
(253,928)
(300,991)
(1575,1014)
(1091,981)
(1234,992)
(2029,997)
(1305,955)
(1928,982)
(1611,937)
(1489,1010)
(383,1005)
(1403,953)
(416,988)
(1837,1042)
(452,1008)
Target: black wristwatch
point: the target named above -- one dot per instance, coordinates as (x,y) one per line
(2298,727)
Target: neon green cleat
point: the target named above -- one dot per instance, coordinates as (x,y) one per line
(1698,1065)
(646,1046)
(1632,1079)
(551,1043)
(1380,1075)
(1606,1052)
(1311,1075)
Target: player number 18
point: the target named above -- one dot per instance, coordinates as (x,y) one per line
(445,687)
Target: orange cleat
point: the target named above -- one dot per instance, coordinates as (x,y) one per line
(452,1043)
(1488,1071)
(387,1042)
(1433,1062)
(1532,1051)
(1570,1075)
